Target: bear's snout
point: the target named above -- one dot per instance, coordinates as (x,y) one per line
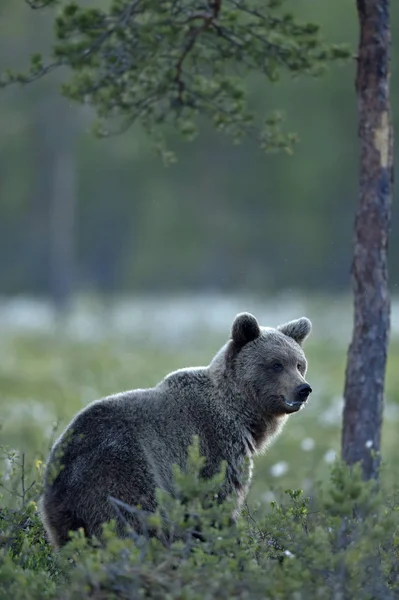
(302,392)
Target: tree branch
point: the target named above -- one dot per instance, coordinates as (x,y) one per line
(208,19)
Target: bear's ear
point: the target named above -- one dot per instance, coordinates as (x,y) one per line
(245,329)
(298,330)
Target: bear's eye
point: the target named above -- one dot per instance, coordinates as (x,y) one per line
(277,367)
(300,367)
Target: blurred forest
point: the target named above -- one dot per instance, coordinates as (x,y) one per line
(78,214)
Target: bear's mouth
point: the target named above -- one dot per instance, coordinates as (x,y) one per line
(294,405)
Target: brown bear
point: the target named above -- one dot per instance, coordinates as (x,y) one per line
(124,446)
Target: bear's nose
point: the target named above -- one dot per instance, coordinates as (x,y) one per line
(303,391)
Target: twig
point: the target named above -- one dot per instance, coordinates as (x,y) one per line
(118,504)
(23,479)
(208,19)
(96,45)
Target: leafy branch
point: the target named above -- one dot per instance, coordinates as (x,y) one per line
(165,62)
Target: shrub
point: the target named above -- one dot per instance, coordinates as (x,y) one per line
(340,543)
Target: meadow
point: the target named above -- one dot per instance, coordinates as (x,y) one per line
(49,370)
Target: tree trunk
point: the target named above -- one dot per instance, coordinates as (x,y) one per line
(365,373)
(62,220)
(53,198)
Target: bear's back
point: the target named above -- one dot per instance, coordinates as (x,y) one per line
(101,421)
(156,424)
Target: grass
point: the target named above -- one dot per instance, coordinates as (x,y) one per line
(46,379)
(340,542)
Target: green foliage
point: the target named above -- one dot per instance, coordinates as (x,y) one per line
(163,62)
(341,542)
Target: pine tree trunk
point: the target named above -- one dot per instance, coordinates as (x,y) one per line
(365,373)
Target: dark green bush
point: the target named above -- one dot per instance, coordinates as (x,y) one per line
(340,543)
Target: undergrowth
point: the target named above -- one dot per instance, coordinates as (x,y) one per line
(341,542)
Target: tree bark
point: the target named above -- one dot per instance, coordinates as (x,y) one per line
(365,372)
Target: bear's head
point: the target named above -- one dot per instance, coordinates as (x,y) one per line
(266,367)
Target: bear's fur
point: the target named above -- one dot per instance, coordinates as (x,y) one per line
(124,446)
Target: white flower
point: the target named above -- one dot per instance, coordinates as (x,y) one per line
(279,469)
(289,554)
(307,444)
(369,444)
(330,456)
